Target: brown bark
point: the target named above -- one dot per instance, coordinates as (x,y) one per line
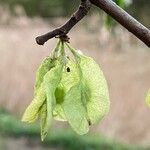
(121,16)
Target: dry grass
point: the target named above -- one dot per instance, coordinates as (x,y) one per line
(124,60)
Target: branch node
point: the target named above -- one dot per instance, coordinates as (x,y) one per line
(64,38)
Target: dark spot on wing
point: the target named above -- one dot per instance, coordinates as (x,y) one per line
(68,69)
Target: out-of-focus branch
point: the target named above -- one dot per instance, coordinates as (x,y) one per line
(131,24)
(63,30)
(121,16)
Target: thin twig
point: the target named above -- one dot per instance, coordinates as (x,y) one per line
(63,30)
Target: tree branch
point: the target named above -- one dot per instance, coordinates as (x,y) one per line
(63,30)
(132,25)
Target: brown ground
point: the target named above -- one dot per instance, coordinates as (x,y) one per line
(124,60)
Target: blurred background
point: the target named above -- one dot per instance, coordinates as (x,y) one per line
(124,59)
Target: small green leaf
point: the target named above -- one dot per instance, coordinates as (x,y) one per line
(32,111)
(147,100)
(43,119)
(75,111)
(51,81)
(69,79)
(94,88)
(45,66)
